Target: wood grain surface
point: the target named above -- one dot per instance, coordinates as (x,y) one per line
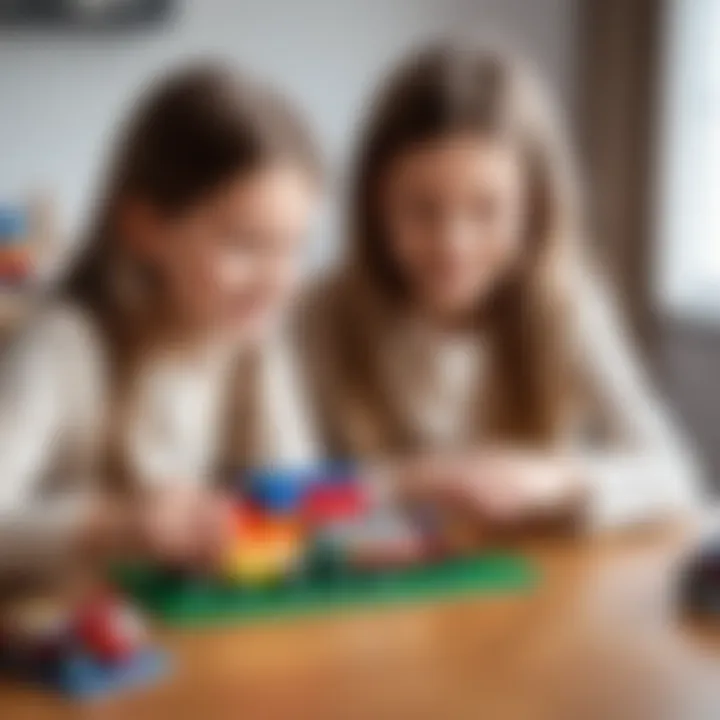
(599,638)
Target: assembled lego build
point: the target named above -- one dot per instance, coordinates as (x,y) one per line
(305,540)
(287,519)
(318,539)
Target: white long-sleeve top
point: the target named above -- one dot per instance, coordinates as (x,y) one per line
(642,468)
(53,423)
(633,458)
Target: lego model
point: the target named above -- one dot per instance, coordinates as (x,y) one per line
(319,539)
(287,519)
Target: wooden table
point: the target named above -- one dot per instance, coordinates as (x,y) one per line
(598,639)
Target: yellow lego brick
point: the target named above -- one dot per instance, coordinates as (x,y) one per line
(261,562)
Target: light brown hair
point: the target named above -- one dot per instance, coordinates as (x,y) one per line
(199,128)
(445,90)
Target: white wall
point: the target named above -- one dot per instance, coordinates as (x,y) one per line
(60,94)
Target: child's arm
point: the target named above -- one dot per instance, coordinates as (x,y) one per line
(287,434)
(626,465)
(632,466)
(644,470)
(51,402)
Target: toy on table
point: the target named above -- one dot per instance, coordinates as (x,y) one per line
(381,540)
(315,540)
(89,649)
(286,519)
(265,547)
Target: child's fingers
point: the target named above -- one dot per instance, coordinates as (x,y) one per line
(170,544)
(214,529)
(490,491)
(172,533)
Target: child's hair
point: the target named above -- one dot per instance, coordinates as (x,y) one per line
(451,89)
(198,129)
(201,127)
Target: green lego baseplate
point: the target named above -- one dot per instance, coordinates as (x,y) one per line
(193,601)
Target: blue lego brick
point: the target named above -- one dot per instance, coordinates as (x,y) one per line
(77,675)
(13,225)
(281,489)
(276,489)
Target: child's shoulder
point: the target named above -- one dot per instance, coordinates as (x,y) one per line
(59,330)
(65,321)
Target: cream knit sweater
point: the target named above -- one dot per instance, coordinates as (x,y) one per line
(53,392)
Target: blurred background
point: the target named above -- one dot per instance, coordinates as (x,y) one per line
(639,81)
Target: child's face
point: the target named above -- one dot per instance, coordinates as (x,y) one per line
(454,213)
(230,263)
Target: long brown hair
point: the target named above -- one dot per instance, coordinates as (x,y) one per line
(445,90)
(199,128)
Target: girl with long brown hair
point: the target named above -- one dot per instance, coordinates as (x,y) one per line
(149,368)
(465,332)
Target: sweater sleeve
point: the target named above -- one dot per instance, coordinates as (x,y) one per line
(288,432)
(644,470)
(40,404)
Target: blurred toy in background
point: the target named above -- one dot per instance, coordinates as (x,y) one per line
(81,649)
(28,242)
(109,628)
(29,254)
(17,253)
(289,522)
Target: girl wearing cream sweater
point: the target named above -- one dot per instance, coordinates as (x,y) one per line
(465,343)
(151,366)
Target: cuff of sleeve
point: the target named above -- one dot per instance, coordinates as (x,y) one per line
(628,490)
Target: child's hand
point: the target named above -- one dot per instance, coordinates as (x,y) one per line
(510,488)
(498,488)
(185,527)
